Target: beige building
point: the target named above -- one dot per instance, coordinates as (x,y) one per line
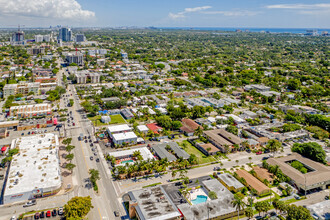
(28,111)
(23,88)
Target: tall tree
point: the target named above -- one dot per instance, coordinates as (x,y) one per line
(78,207)
(238,204)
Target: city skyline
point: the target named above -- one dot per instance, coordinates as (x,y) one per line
(209,13)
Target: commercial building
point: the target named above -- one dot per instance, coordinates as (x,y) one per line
(9,124)
(76,58)
(151,204)
(35,171)
(23,88)
(115,129)
(230,182)
(126,156)
(65,34)
(220,208)
(121,134)
(176,152)
(317,176)
(253,182)
(28,111)
(125,137)
(222,139)
(80,38)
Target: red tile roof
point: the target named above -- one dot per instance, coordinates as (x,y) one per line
(154,127)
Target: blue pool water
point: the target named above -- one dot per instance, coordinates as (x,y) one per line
(127,161)
(199,199)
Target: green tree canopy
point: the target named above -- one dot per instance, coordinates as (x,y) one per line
(78,207)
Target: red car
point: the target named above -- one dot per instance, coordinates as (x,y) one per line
(259,152)
(48,214)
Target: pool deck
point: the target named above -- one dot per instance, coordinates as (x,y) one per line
(198,192)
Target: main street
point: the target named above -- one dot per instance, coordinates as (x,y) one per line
(104,203)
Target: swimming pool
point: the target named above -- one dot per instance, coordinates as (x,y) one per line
(199,199)
(127,161)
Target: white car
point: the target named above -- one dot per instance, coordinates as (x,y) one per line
(13,218)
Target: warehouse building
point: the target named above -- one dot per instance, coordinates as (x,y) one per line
(35,171)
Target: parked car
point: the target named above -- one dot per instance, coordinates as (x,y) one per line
(42,214)
(326,197)
(54,212)
(178,183)
(265,158)
(91,158)
(259,152)
(248,150)
(116,213)
(97,160)
(13,218)
(60,211)
(22,133)
(36,215)
(48,214)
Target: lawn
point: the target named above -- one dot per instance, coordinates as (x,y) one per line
(115,119)
(201,157)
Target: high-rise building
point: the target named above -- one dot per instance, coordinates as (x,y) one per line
(47,38)
(18,38)
(80,38)
(76,58)
(65,34)
(38,38)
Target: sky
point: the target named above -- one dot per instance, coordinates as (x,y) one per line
(166,13)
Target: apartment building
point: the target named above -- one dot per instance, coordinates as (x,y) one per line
(23,88)
(28,111)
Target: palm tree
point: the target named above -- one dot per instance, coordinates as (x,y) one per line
(199,131)
(213,195)
(249,212)
(70,167)
(69,157)
(238,204)
(174,172)
(276,204)
(185,192)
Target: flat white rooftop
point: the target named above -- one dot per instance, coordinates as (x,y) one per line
(119,128)
(145,153)
(142,128)
(36,166)
(124,136)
